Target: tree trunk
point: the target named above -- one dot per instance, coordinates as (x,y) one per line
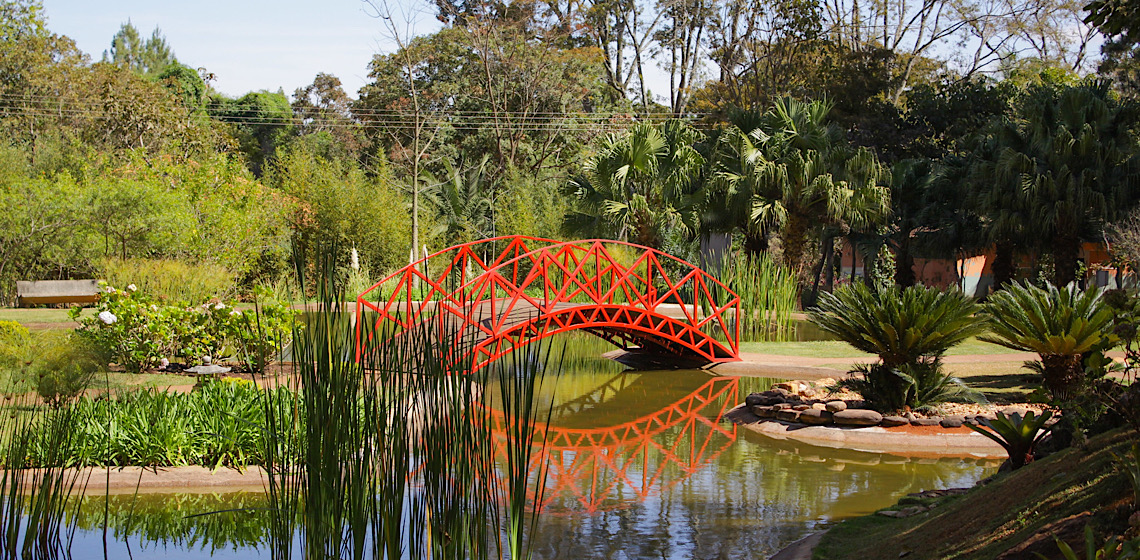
(904,266)
(1002,267)
(755,243)
(1066,252)
(1063,374)
(795,231)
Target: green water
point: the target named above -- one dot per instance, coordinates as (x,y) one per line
(639,467)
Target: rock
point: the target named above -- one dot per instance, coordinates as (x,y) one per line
(780,391)
(855,403)
(912,510)
(763,411)
(1011,410)
(801,407)
(791,387)
(926,421)
(909,416)
(767,398)
(892,421)
(973,420)
(888,513)
(815,417)
(836,406)
(781,406)
(952,421)
(857,418)
(788,415)
(819,406)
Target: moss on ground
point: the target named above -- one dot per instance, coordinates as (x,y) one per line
(1009,511)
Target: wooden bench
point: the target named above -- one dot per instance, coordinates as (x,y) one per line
(56,291)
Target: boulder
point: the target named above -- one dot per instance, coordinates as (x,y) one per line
(815,417)
(801,407)
(763,411)
(926,421)
(892,421)
(836,406)
(754,399)
(856,417)
(819,406)
(788,415)
(767,398)
(952,421)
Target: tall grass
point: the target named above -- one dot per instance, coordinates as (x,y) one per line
(36,502)
(391,455)
(768,297)
(169,280)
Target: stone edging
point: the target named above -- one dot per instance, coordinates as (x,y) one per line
(873,439)
(97,481)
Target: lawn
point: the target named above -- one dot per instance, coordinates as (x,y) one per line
(39,315)
(837,349)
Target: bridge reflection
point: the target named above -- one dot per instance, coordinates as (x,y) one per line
(603,468)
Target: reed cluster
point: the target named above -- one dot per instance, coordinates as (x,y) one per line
(768,297)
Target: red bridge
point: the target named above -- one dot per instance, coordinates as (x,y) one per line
(496,295)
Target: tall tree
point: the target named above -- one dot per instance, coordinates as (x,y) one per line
(1065,165)
(147,57)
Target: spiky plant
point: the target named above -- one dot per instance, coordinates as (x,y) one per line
(909,330)
(1060,324)
(1017,434)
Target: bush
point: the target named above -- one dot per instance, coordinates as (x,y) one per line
(63,367)
(134,331)
(1063,326)
(909,330)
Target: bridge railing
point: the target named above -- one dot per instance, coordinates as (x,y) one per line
(484,286)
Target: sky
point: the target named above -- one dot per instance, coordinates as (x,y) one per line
(248,45)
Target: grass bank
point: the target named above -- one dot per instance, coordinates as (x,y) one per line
(1018,513)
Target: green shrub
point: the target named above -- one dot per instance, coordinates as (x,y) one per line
(909,330)
(1062,326)
(168,280)
(63,366)
(134,331)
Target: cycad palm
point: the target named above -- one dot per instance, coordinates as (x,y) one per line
(909,330)
(1060,325)
(638,184)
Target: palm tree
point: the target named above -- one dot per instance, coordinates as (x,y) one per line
(463,202)
(639,184)
(816,180)
(1055,174)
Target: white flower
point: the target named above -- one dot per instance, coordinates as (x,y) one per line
(235,313)
(153,307)
(109,289)
(219,306)
(107,317)
(163,363)
(131,287)
(355,259)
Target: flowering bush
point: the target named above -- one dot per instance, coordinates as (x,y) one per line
(138,333)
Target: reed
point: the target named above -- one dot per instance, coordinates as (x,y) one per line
(37,511)
(393,455)
(768,297)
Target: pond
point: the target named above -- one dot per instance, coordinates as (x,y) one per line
(638,467)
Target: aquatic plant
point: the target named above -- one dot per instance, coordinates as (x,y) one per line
(768,297)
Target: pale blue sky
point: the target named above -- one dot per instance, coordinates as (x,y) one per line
(248,45)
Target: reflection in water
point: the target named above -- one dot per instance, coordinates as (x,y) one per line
(639,467)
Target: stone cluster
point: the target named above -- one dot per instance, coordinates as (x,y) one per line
(800,403)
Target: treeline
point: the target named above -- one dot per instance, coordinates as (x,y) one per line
(933,128)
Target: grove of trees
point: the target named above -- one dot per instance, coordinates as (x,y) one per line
(909,129)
